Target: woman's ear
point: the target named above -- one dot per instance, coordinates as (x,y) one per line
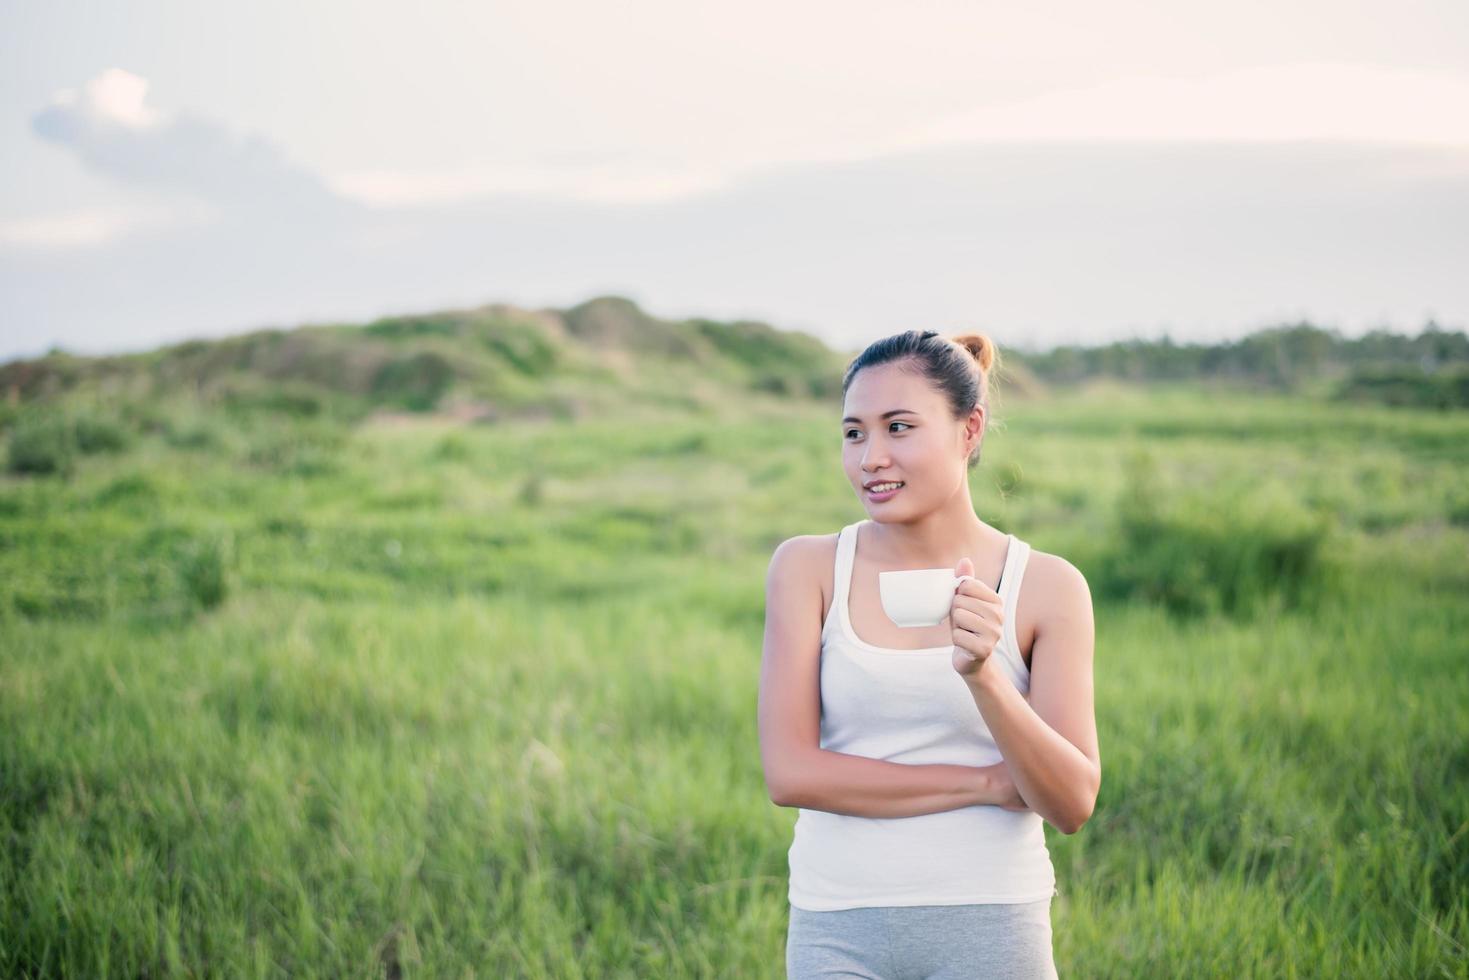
(974,429)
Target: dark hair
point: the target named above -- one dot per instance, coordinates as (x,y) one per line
(958,366)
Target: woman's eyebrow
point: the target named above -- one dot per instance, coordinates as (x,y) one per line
(888,414)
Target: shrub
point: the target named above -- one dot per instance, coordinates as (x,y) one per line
(1225,551)
(1407,385)
(42,443)
(95,434)
(196,434)
(415,382)
(201,569)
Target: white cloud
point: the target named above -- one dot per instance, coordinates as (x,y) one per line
(1316,101)
(115,97)
(113,131)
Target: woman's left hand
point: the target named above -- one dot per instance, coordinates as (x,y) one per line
(977,618)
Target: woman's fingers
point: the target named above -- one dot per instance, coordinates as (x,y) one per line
(976,588)
(974,635)
(989,611)
(977,623)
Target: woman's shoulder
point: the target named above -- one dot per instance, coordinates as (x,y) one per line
(808,560)
(806,554)
(1062,584)
(806,548)
(1053,570)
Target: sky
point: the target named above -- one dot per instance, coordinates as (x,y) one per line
(1056,172)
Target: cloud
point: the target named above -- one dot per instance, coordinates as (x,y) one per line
(1312,101)
(115,132)
(1275,103)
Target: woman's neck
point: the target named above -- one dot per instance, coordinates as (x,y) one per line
(934,540)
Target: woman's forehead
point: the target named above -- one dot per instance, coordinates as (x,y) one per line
(876,390)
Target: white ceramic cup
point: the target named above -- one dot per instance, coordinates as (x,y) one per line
(918,596)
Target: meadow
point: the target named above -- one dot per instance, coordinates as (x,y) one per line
(282,695)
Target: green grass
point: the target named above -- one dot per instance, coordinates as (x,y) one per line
(281,697)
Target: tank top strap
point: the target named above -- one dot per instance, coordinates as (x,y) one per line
(1012,570)
(1016,557)
(842,575)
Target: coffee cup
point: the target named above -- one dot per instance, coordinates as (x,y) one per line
(918,596)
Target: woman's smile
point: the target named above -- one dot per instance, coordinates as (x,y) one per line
(888,491)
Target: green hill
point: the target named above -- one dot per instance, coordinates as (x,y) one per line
(604,358)
(485,362)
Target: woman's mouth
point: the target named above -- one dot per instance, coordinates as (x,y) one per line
(879,492)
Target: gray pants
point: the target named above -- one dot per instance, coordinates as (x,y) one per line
(922,942)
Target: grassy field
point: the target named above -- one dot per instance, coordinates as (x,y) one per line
(287,697)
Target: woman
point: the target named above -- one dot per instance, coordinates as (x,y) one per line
(924,760)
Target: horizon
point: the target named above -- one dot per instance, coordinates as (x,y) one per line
(1161,338)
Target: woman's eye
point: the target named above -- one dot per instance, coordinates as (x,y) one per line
(903,424)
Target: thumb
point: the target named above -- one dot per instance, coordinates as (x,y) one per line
(965,567)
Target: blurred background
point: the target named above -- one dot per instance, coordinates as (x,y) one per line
(399,408)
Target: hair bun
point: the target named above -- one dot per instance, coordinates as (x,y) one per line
(980,346)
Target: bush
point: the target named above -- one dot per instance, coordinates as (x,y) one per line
(1228,551)
(296,400)
(201,569)
(47,441)
(42,443)
(415,382)
(95,434)
(196,434)
(1407,385)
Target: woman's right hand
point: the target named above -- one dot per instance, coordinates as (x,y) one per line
(1002,789)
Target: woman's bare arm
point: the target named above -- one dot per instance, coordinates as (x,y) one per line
(865,787)
(800,773)
(1050,741)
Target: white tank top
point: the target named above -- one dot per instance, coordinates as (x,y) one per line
(910,706)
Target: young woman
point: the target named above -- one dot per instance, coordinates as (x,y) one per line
(924,760)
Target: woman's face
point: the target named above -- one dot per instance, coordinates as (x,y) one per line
(918,443)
